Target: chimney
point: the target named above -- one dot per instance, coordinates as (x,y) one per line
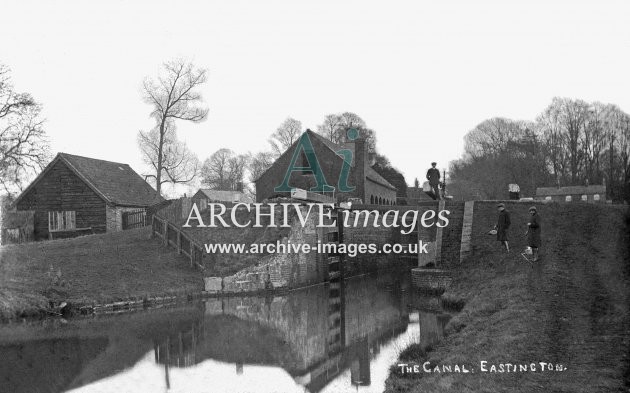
(361,162)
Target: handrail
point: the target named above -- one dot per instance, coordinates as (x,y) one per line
(194,244)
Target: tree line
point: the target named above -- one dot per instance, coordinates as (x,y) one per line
(571,142)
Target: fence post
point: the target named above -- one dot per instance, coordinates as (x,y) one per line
(192,249)
(153,226)
(179,242)
(166,233)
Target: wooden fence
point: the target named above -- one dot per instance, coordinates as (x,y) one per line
(173,236)
(17,226)
(135,219)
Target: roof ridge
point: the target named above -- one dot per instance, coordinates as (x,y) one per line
(91,158)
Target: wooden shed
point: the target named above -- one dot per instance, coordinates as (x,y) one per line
(229,198)
(78,195)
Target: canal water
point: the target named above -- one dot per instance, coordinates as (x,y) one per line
(338,337)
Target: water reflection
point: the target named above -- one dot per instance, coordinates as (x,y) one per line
(338,337)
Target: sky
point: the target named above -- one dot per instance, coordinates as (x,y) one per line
(420,73)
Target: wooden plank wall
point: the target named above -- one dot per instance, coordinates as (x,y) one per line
(61,190)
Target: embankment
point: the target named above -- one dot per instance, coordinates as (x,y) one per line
(570,308)
(90,269)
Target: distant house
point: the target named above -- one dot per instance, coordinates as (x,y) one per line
(205,196)
(367,184)
(590,194)
(75,195)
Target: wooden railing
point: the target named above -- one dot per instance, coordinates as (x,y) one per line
(136,219)
(173,236)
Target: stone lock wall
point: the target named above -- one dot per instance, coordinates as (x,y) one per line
(444,243)
(380,235)
(294,270)
(281,270)
(452,234)
(430,278)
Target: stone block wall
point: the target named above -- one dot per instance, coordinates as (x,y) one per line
(430,278)
(113,216)
(467,227)
(445,242)
(452,234)
(294,270)
(285,270)
(365,263)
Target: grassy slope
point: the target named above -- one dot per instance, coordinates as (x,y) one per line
(570,308)
(97,267)
(229,263)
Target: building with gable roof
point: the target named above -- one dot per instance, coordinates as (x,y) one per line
(590,194)
(368,185)
(205,196)
(77,195)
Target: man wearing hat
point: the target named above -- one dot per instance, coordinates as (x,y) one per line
(433,176)
(533,231)
(503,224)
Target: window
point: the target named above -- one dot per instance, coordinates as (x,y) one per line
(61,221)
(584,198)
(567,198)
(596,197)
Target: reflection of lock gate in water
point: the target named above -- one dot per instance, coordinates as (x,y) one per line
(314,333)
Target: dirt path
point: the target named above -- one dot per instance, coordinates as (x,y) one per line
(571,308)
(585,307)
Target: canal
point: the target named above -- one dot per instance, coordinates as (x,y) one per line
(338,337)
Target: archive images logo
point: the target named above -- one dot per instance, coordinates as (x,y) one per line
(306,146)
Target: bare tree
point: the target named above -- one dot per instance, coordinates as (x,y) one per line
(23,142)
(258,164)
(492,136)
(177,164)
(351,120)
(287,133)
(549,125)
(236,170)
(174,96)
(331,128)
(214,172)
(335,128)
(224,170)
(594,140)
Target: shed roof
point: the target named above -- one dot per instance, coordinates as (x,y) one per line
(115,182)
(223,195)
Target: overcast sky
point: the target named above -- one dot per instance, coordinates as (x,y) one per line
(420,73)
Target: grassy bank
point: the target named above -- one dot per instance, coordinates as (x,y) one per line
(571,308)
(98,268)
